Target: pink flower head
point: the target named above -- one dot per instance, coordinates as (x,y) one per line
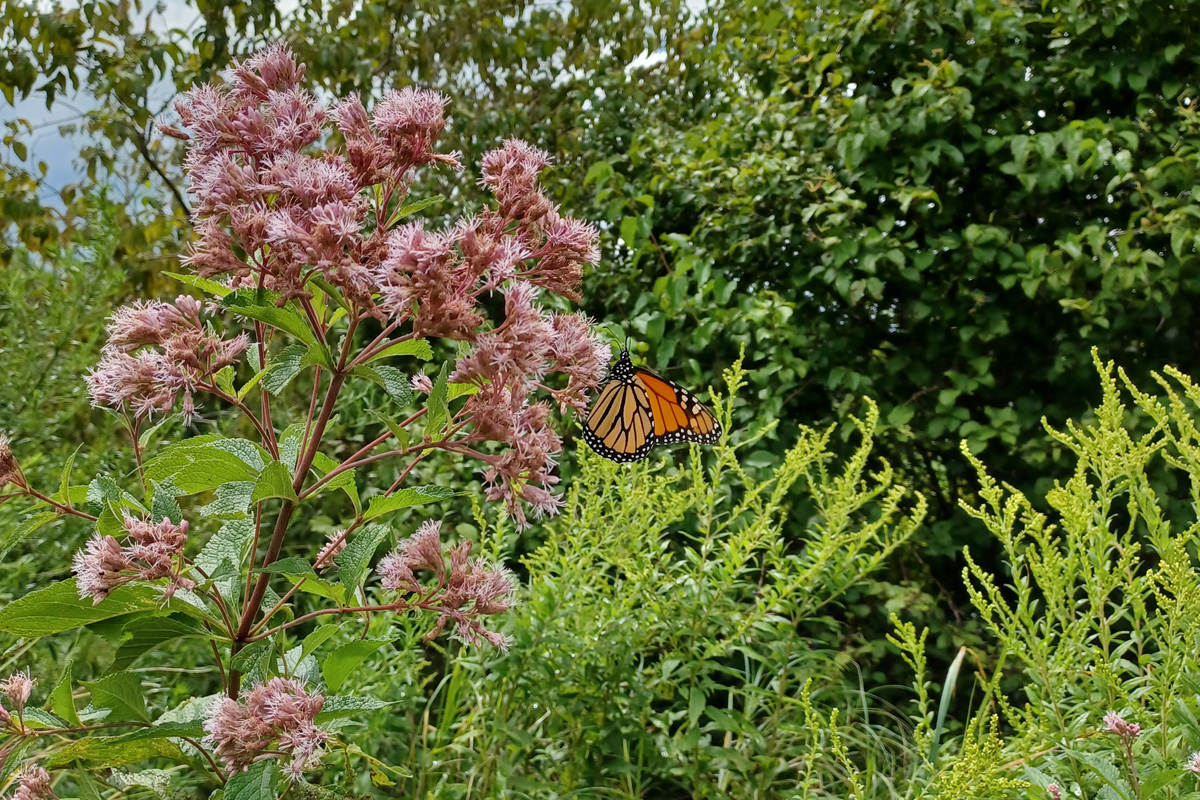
(33,783)
(1114,723)
(422,550)
(1193,764)
(511,172)
(10,470)
(409,121)
(101,566)
(276,715)
(1054,792)
(334,543)
(17,689)
(422,383)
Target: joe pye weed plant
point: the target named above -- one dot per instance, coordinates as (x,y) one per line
(309,260)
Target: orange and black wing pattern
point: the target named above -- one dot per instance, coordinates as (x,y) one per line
(638,410)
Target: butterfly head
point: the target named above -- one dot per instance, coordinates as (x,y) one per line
(623,369)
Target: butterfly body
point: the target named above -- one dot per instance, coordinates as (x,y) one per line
(637,410)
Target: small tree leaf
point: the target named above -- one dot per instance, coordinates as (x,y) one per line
(412,496)
(121,692)
(355,560)
(275,481)
(62,702)
(439,412)
(344,659)
(418,348)
(259,304)
(283,367)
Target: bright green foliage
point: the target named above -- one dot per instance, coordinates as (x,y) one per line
(666,632)
(1098,611)
(942,205)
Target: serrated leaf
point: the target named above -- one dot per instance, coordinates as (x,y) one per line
(344,659)
(275,481)
(164,504)
(146,632)
(167,730)
(224,380)
(319,636)
(439,411)
(203,284)
(59,608)
(19,533)
(355,560)
(346,706)
(121,692)
(230,501)
(104,752)
(145,436)
(418,348)
(230,543)
(62,701)
(412,208)
(412,496)
(456,390)
(250,656)
(250,384)
(43,719)
(319,587)
(343,480)
(259,304)
(390,379)
(201,466)
(401,434)
(293,566)
(283,367)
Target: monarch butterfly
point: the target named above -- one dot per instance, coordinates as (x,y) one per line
(637,410)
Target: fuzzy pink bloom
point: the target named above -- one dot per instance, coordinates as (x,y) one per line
(334,543)
(421,382)
(1193,764)
(5,718)
(1054,792)
(468,590)
(154,552)
(17,688)
(1114,723)
(33,783)
(511,172)
(409,121)
(101,566)
(10,470)
(276,715)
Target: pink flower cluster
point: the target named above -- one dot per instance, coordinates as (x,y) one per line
(16,689)
(156,350)
(468,590)
(1115,723)
(10,470)
(33,783)
(154,551)
(278,715)
(1193,764)
(271,214)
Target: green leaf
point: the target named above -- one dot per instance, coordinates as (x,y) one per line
(319,587)
(348,706)
(275,481)
(1160,780)
(292,566)
(343,480)
(319,636)
(412,496)
(418,348)
(439,412)
(259,304)
(105,752)
(164,505)
(147,631)
(254,784)
(64,488)
(391,379)
(203,284)
(401,434)
(43,719)
(121,692)
(145,436)
(224,380)
(230,501)
(456,390)
(252,655)
(629,226)
(230,543)
(412,208)
(199,466)
(355,560)
(343,660)
(59,608)
(18,533)
(62,702)
(283,367)
(167,730)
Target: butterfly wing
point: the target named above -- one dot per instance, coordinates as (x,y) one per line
(678,416)
(620,425)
